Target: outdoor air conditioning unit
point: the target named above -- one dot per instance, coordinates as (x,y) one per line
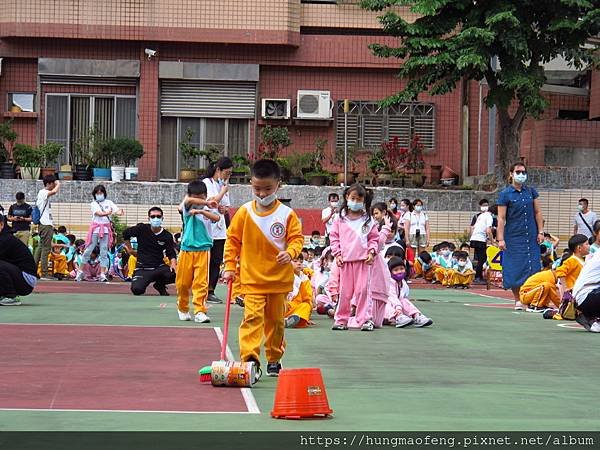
(276,108)
(314,105)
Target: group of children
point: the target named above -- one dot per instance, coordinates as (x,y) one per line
(446,266)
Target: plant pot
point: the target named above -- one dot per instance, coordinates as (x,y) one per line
(418,179)
(340,178)
(131,173)
(7,170)
(66,175)
(436,174)
(47,171)
(285,174)
(318,180)
(83,172)
(448,173)
(187,175)
(296,180)
(30,173)
(117,173)
(101,174)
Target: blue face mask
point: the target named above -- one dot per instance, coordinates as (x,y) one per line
(99,197)
(155,222)
(355,206)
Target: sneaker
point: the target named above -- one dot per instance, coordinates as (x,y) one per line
(102,278)
(403,320)
(239,301)
(47,278)
(339,327)
(257,375)
(212,298)
(292,321)
(584,322)
(422,321)
(273,369)
(200,317)
(184,316)
(367,326)
(536,309)
(518,306)
(161,289)
(5,301)
(595,328)
(80,276)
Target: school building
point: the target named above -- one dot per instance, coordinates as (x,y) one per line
(151,69)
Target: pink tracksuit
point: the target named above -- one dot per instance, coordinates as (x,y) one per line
(398,302)
(353,239)
(380,278)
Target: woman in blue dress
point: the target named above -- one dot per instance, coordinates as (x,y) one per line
(520,231)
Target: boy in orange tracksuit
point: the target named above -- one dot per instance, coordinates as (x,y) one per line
(263,237)
(539,292)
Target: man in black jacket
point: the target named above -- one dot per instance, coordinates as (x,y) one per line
(153,244)
(17,268)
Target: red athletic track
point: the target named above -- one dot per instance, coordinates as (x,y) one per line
(111,368)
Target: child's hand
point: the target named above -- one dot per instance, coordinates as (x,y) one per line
(370,258)
(284,258)
(228,275)
(339,260)
(212,204)
(387,221)
(120,212)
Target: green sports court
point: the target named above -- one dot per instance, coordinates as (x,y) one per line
(80,361)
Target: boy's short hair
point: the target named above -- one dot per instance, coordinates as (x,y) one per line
(396,262)
(318,251)
(19,196)
(483,201)
(395,250)
(79,242)
(48,179)
(543,249)
(62,229)
(546,262)
(266,168)
(196,187)
(461,255)
(304,250)
(584,200)
(425,257)
(311,250)
(315,232)
(464,244)
(332,196)
(156,208)
(300,257)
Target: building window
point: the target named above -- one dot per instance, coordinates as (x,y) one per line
(369,124)
(21,102)
(74,120)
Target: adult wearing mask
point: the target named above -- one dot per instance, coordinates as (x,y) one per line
(19,214)
(153,244)
(46,226)
(520,231)
(217,187)
(393,203)
(584,220)
(17,268)
(481,233)
(416,227)
(329,214)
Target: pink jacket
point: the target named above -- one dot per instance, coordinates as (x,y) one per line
(353,239)
(381,273)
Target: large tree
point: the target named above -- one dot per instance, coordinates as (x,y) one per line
(458,39)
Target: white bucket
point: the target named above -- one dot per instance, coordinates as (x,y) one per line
(117,173)
(131,173)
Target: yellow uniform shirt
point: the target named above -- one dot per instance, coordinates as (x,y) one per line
(254,239)
(570,270)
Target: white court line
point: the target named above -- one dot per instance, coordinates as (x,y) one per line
(246,392)
(490,296)
(124,411)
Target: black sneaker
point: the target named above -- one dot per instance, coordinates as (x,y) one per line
(239,301)
(583,321)
(161,289)
(212,298)
(273,369)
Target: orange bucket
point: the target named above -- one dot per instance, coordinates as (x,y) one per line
(300,393)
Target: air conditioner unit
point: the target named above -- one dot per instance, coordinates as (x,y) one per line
(314,105)
(276,108)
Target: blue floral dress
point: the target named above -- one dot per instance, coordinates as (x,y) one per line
(521,259)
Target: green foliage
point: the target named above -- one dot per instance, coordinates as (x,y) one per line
(458,39)
(189,152)
(119,227)
(297,163)
(124,150)
(240,163)
(212,153)
(274,141)
(28,156)
(8,136)
(377,161)
(51,152)
(89,149)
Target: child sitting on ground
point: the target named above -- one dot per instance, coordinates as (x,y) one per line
(299,303)
(400,311)
(425,266)
(539,292)
(92,270)
(462,274)
(323,297)
(572,263)
(444,262)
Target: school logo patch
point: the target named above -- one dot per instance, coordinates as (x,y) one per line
(277,230)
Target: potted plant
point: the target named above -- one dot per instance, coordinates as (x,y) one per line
(124,151)
(83,153)
(317,176)
(297,163)
(338,162)
(241,165)
(189,153)
(29,159)
(51,152)
(415,163)
(8,136)
(212,153)
(274,141)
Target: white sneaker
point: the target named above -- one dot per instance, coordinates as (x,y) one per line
(422,321)
(403,320)
(201,318)
(595,328)
(367,326)
(184,315)
(102,278)
(79,276)
(5,301)
(519,306)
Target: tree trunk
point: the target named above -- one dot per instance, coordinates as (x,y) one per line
(510,139)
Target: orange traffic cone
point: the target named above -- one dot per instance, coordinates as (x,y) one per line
(300,393)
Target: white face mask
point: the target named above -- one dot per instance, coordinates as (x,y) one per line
(462,263)
(520,177)
(267,200)
(355,206)
(99,197)
(446,252)
(484,208)
(418,208)
(333,204)
(393,205)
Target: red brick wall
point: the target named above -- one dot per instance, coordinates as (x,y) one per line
(148,104)
(595,95)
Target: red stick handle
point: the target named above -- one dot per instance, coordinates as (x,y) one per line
(226,322)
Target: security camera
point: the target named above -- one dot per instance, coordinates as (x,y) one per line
(150,52)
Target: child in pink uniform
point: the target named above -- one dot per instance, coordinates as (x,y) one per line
(380,275)
(400,310)
(354,243)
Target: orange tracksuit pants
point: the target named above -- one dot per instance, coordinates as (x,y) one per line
(192,273)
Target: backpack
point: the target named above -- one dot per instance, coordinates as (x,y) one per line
(36,214)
